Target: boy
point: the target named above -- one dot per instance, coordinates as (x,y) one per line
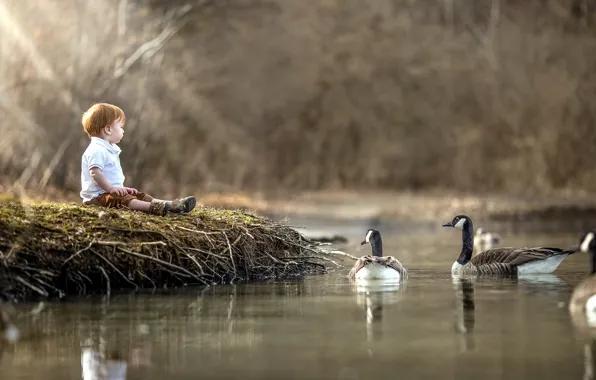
(102,179)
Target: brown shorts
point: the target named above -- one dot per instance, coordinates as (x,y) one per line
(117,201)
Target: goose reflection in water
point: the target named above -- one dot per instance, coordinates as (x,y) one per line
(100,363)
(465,303)
(374,296)
(9,333)
(589,350)
(465,318)
(587,336)
(97,367)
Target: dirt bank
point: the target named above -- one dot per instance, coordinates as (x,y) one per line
(51,250)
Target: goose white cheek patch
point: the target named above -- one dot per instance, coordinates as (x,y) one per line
(585,247)
(367,238)
(460,224)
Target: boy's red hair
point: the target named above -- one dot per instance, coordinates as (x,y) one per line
(99,116)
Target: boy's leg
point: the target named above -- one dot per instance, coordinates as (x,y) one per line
(162,207)
(143,202)
(135,204)
(146,203)
(144,197)
(106,200)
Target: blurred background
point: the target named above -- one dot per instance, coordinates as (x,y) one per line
(283,96)
(373,113)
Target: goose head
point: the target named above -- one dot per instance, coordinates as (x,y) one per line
(460,222)
(373,237)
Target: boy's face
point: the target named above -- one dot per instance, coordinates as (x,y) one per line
(114,132)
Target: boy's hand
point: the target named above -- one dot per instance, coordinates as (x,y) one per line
(131,191)
(118,191)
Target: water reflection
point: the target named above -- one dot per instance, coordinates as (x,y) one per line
(9,333)
(589,350)
(374,295)
(584,327)
(96,366)
(545,280)
(322,327)
(532,283)
(586,333)
(465,318)
(105,360)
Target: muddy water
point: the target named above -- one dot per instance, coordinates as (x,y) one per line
(321,327)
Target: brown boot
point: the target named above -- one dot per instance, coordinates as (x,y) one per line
(183,205)
(159,207)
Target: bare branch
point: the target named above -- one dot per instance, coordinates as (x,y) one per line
(149,48)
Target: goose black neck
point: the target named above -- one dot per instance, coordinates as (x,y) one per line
(593,257)
(377,245)
(467,235)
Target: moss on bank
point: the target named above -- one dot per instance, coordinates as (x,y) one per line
(54,249)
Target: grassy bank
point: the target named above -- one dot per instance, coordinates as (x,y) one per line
(421,206)
(50,250)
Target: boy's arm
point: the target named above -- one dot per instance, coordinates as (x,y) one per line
(101,180)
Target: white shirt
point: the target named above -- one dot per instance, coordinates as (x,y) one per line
(105,156)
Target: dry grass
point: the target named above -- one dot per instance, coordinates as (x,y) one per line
(52,250)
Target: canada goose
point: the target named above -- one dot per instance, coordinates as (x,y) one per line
(503,260)
(377,266)
(582,305)
(484,240)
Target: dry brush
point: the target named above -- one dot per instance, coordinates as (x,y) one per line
(53,250)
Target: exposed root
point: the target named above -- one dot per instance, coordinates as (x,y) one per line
(342,253)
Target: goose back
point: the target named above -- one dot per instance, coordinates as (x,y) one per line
(503,269)
(385,261)
(507,260)
(516,256)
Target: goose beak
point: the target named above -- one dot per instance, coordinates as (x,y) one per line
(363,242)
(575,248)
(448,224)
